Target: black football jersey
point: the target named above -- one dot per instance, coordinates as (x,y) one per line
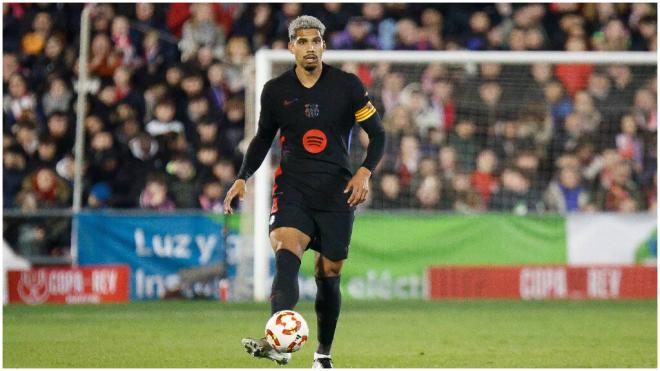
(315,127)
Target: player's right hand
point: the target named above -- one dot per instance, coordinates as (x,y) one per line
(237,189)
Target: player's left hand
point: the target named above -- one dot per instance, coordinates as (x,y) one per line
(359,185)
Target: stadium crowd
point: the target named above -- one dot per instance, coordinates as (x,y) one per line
(166,112)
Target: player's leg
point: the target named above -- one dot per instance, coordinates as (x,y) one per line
(290,229)
(334,235)
(289,245)
(327,306)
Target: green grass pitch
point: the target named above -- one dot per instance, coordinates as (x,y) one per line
(370,334)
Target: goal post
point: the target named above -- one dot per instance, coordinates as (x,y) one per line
(265,60)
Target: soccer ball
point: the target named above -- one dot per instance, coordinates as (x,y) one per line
(286,331)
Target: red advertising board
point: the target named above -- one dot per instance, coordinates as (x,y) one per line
(94,284)
(543,282)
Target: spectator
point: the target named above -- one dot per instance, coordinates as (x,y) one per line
(155,194)
(463,140)
(381,25)
(476,38)
(143,158)
(462,197)
(102,157)
(21,102)
(541,74)
(448,163)
(57,98)
(26,138)
(409,36)
(150,63)
(48,189)
(443,105)
(516,40)
(567,194)
(207,133)
(515,195)
(198,107)
(428,194)
(103,59)
(164,122)
(431,29)
(50,61)
(391,91)
(599,87)
(535,39)
(46,155)
(125,92)
(622,83)
(559,104)
(60,129)
(122,40)
(201,30)
(399,122)
(225,172)
(212,196)
(574,77)
(218,87)
(206,157)
(233,126)
(99,196)
(417,102)
(257,24)
(355,36)
(34,41)
(645,110)
(181,181)
(629,145)
(409,156)
(589,117)
(288,13)
(14,170)
(483,179)
(237,54)
(388,194)
(619,193)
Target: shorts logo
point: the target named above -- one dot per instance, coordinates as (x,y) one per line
(312,110)
(315,141)
(272,219)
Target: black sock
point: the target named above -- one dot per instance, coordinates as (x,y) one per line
(328,302)
(284,293)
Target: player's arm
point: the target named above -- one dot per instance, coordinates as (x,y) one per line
(256,151)
(369,119)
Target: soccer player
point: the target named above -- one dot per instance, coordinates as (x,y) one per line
(315,107)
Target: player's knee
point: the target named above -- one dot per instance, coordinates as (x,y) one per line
(289,241)
(327,268)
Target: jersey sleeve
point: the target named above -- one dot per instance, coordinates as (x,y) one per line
(268,126)
(362,107)
(263,139)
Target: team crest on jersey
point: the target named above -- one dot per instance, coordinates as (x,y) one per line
(312,110)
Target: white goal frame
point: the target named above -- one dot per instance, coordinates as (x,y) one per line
(263,70)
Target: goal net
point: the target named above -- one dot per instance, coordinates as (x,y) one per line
(470,131)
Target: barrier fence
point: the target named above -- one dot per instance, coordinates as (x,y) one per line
(147,256)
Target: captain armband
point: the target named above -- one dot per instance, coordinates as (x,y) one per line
(365,112)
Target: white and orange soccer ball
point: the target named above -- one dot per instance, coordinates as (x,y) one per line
(286,331)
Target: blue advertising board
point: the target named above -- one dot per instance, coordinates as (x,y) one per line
(155,246)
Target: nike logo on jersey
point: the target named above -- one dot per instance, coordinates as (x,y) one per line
(289,102)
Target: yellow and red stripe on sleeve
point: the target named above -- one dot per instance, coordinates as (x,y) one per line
(365,112)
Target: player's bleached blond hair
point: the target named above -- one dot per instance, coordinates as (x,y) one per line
(305,21)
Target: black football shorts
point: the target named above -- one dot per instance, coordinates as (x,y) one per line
(330,231)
